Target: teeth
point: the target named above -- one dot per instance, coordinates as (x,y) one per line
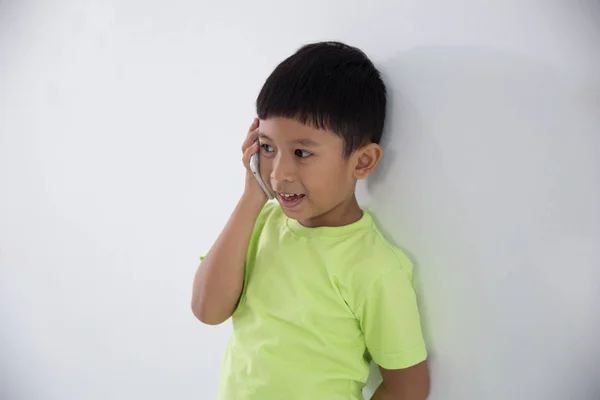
(288,195)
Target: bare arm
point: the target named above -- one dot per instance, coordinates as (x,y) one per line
(404,384)
(219,279)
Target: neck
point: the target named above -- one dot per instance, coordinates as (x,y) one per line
(344,213)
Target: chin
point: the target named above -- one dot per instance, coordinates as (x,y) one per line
(294,213)
(297,213)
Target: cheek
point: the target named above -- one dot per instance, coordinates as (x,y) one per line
(266,167)
(328,179)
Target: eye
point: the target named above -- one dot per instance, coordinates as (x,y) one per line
(267,147)
(302,153)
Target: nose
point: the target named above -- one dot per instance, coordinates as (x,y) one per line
(283,169)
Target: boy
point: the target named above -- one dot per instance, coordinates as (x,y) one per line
(314,290)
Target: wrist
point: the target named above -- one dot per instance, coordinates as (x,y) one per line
(253,201)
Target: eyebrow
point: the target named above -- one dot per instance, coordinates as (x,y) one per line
(301,141)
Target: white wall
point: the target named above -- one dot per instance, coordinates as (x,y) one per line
(120,124)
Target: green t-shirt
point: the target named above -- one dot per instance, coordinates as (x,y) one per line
(318,305)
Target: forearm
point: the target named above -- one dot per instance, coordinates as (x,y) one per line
(219,279)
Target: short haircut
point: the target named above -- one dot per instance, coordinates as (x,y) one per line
(331,86)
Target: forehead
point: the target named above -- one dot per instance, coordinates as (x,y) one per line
(290,130)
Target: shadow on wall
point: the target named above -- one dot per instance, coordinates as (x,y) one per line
(491,182)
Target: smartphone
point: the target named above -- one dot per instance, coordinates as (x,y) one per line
(254,167)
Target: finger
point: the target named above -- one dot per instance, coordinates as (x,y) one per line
(254,125)
(250,139)
(252,149)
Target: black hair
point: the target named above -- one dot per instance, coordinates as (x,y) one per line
(328,85)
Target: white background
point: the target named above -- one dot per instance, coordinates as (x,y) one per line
(120,128)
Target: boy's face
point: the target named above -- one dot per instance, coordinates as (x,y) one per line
(306,169)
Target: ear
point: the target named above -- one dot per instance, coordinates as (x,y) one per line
(367,158)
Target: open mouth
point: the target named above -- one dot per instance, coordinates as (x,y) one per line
(289,200)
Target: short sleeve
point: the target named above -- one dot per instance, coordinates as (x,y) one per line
(390,321)
(267,212)
(269,208)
